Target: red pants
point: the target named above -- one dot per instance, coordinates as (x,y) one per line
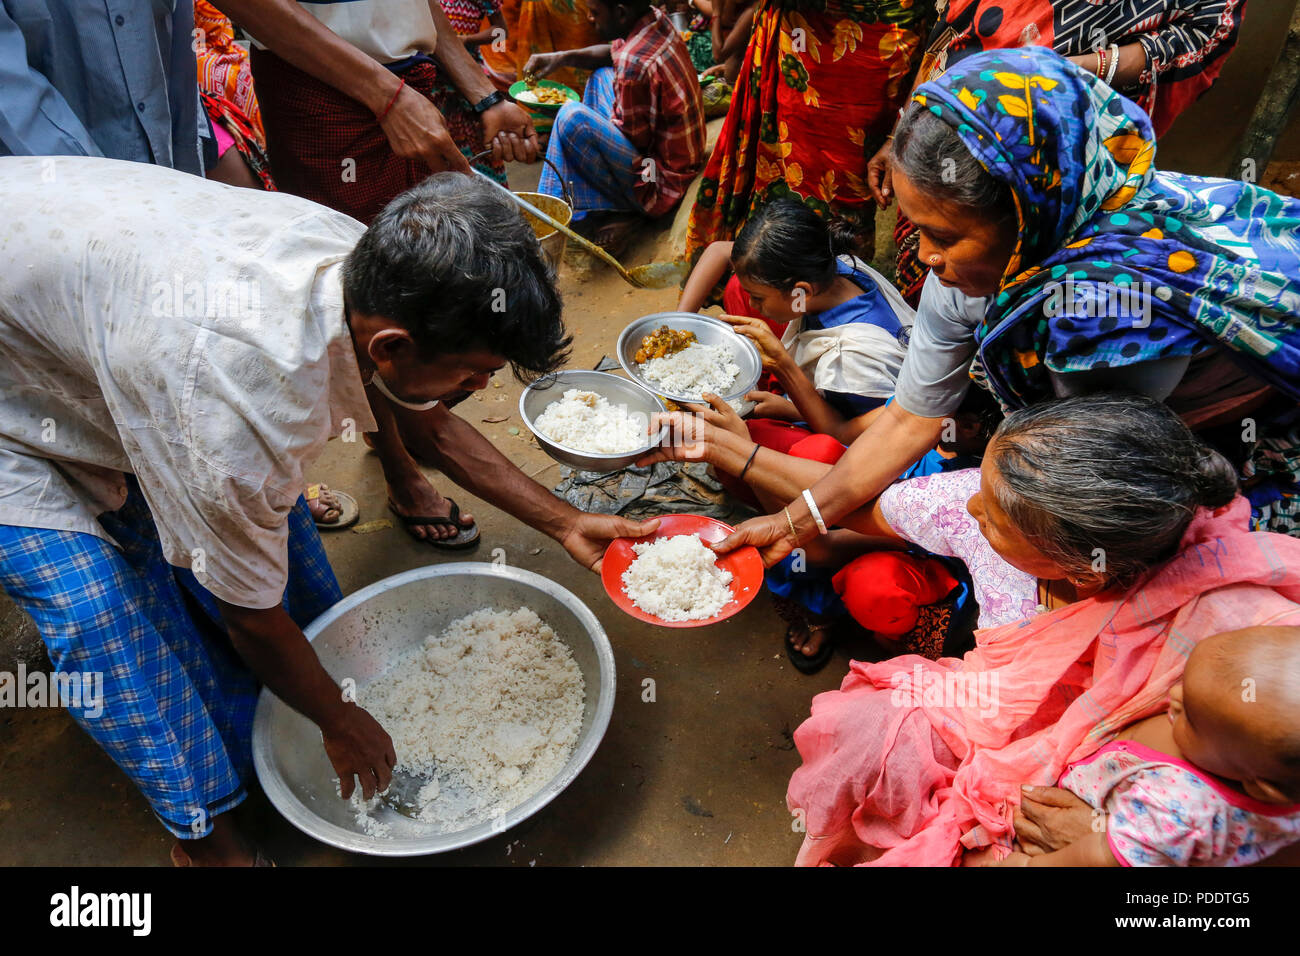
(885,590)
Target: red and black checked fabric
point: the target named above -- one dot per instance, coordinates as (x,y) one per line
(659,108)
(312,130)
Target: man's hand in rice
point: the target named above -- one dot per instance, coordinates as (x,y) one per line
(591,534)
(357,746)
(540,64)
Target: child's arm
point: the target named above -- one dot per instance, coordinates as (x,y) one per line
(1091,850)
(820,415)
(713,264)
(495,21)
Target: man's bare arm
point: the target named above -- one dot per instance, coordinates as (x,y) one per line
(276,650)
(296,36)
(412,124)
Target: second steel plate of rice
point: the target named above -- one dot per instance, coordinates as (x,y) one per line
(587,422)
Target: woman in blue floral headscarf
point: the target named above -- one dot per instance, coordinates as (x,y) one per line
(1062,262)
(1118,265)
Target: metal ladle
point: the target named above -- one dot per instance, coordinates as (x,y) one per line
(403,793)
(653,275)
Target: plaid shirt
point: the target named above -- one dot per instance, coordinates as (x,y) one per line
(659,109)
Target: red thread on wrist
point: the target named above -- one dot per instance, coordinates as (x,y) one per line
(396,92)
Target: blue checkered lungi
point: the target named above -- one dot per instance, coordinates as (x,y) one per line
(177,702)
(599,163)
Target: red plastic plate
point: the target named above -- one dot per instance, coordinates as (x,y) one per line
(745,565)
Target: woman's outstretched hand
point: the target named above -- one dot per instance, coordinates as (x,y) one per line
(769,533)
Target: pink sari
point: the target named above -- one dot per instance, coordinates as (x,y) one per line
(901,768)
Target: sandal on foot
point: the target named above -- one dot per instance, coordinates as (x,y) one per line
(803,663)
(348,508)
(466,537)
(795,615)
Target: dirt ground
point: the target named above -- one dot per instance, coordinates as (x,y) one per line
(696,777)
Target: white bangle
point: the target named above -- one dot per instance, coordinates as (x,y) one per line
(812,507)
(1113,64)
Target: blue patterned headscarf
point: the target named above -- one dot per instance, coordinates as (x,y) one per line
(1187,262)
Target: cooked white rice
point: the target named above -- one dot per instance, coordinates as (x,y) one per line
(587,422)
(696,369)
(677,579)
(490,710)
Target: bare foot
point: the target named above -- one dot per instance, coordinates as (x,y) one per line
(224,846)
(416,496)
(325,508)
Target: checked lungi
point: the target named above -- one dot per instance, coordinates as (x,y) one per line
(594,158)
(329,148)
(177,702)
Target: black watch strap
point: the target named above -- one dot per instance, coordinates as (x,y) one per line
(489,101)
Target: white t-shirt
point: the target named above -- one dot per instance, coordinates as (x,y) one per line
(388,30)
(190,333)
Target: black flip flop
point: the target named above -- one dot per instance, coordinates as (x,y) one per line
(466,538)
(801,661)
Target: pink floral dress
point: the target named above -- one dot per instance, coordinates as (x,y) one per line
(1162,811)
(931,512)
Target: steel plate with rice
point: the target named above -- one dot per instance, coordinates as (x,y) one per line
(364,638)
(709,332)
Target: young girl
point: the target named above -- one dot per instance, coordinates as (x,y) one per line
(831,330)
(832,333)
(1215,781)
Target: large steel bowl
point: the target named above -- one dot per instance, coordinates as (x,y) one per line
(708,331)
(362,638)
(617,391)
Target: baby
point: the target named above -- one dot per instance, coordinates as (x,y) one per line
(1216,780)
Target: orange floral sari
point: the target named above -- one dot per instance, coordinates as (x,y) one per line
(542,26)
(817,94)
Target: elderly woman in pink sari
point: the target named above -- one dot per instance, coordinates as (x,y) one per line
(1128,537)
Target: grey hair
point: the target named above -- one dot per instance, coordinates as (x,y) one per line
(454,263)
(1105,485)
(933,157)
